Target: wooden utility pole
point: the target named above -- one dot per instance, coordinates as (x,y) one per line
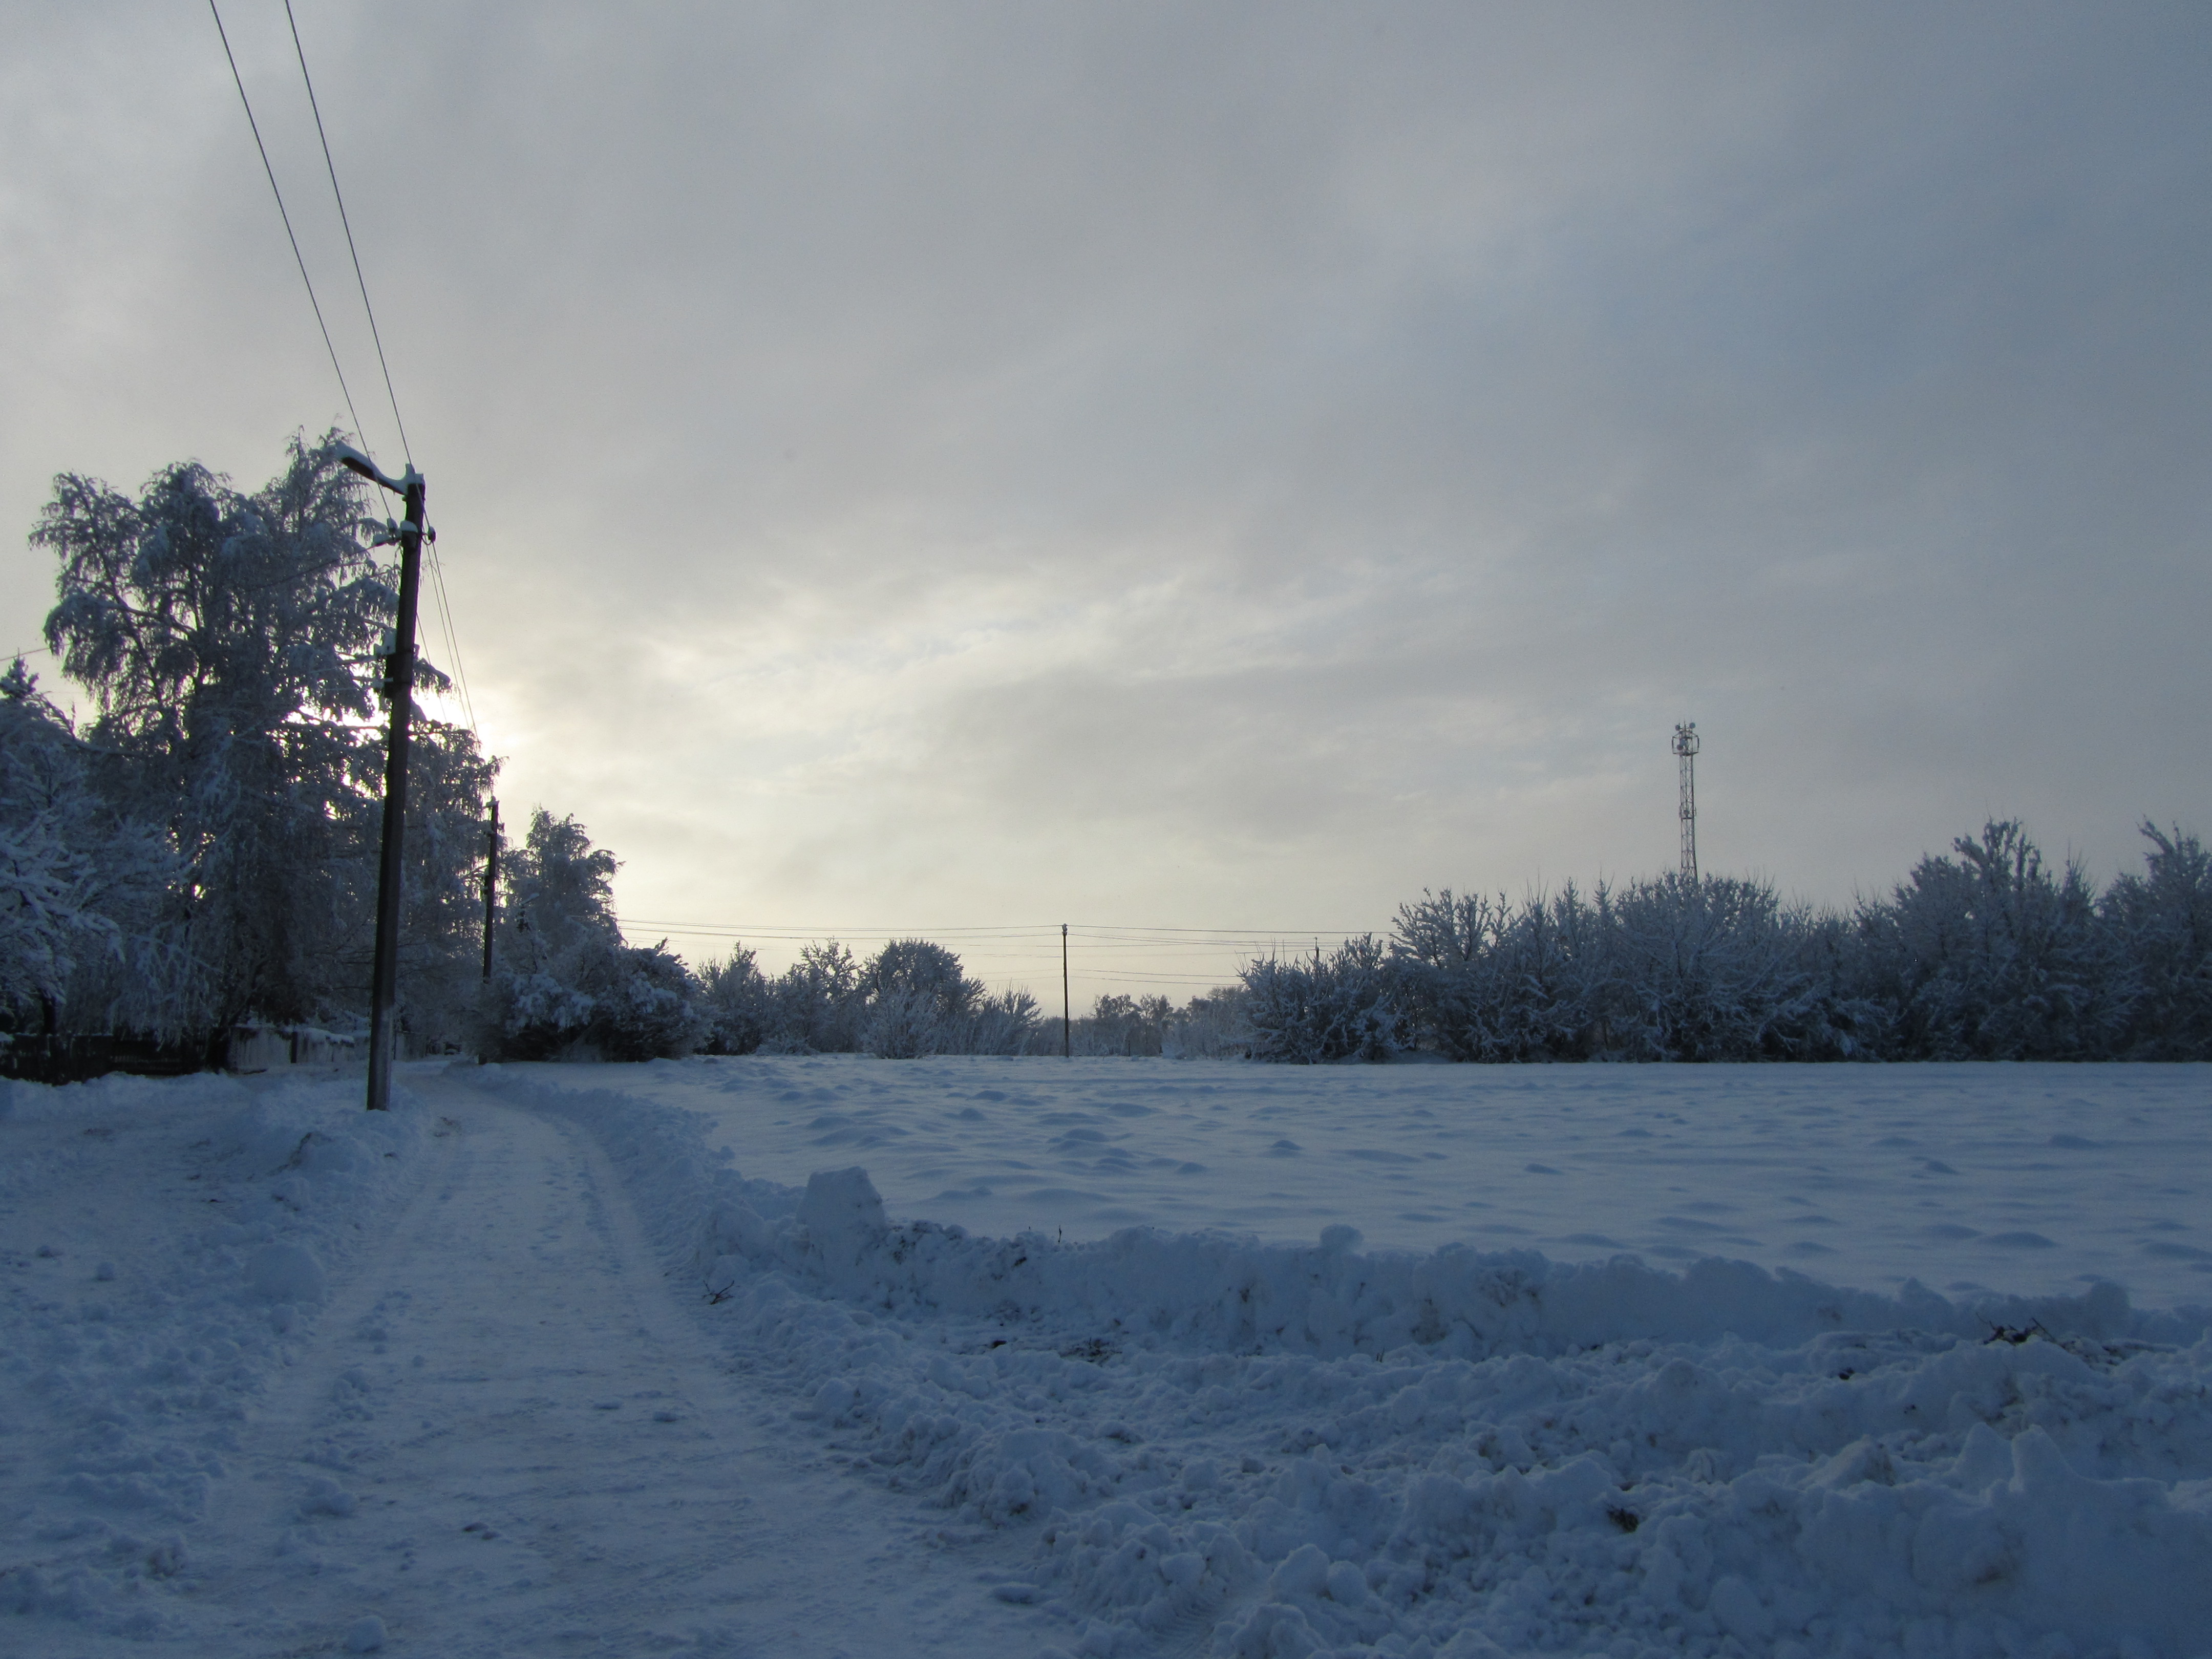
(491,885)
(1066,1030)
(399,686)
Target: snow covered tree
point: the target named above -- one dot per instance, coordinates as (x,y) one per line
(818,1001)
(926,973)
(230,642)
(2160,925)
(737,1004)
(1117,1024)
(1341,1006)
(1483,981)
(86,926)
(569,985)
(1990,956)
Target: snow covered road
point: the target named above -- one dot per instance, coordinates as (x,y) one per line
(533,1364)
(500,1434)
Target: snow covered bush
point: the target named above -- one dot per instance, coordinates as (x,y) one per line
(2161,927)
(1121,1026)
(1214,1026)
(1480,981)
(1720,969)
(570,986)
(1340,1006)
(1990,956)
(737,1005)
(818,1004)
(1000,1025)
(911,998)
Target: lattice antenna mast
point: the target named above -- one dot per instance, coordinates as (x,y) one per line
(1685,748)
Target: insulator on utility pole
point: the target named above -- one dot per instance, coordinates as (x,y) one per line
(1685,747)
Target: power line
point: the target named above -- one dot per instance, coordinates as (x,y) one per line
(300,259)
(1117,935)
(337,194)
(452,638)
(785,930)
(332,167)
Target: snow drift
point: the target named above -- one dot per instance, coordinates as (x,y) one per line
(1258,1449)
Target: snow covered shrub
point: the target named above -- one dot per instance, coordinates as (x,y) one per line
(919,1000)
(1000,1025)
(2160,929)
(1116,1026)
(1482,981)
(643,1003)
(600,998)
(532,1016)
(1718,968)
(1990,956)
(817,1004)
(736,1004)
(570,985)
(902,1024)
(1669,969)
(1341,1006)
(1214,1026)
(918,971)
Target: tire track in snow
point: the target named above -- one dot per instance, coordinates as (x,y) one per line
(505,1436)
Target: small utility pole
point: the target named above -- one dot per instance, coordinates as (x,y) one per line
(399,686)
(1066,1030)
(491,885)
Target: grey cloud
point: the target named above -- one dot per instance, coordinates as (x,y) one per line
(961,460)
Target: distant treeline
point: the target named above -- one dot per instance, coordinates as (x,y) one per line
(1987,954)
(1984,954)
(201,856)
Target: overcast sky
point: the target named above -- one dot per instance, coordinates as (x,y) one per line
(916,467)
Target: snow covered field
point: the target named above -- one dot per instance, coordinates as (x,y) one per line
(535,1366)
(1971,1178)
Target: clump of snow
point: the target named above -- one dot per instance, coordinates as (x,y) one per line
(1224,1445)
(284,1273)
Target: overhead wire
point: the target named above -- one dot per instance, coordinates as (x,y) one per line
(299,258)
(452,638)
(373,333)
(450,634)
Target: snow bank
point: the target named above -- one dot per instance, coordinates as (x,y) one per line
(1259,1449)
(163,1240)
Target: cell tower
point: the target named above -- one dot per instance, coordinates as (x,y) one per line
(1685,747)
